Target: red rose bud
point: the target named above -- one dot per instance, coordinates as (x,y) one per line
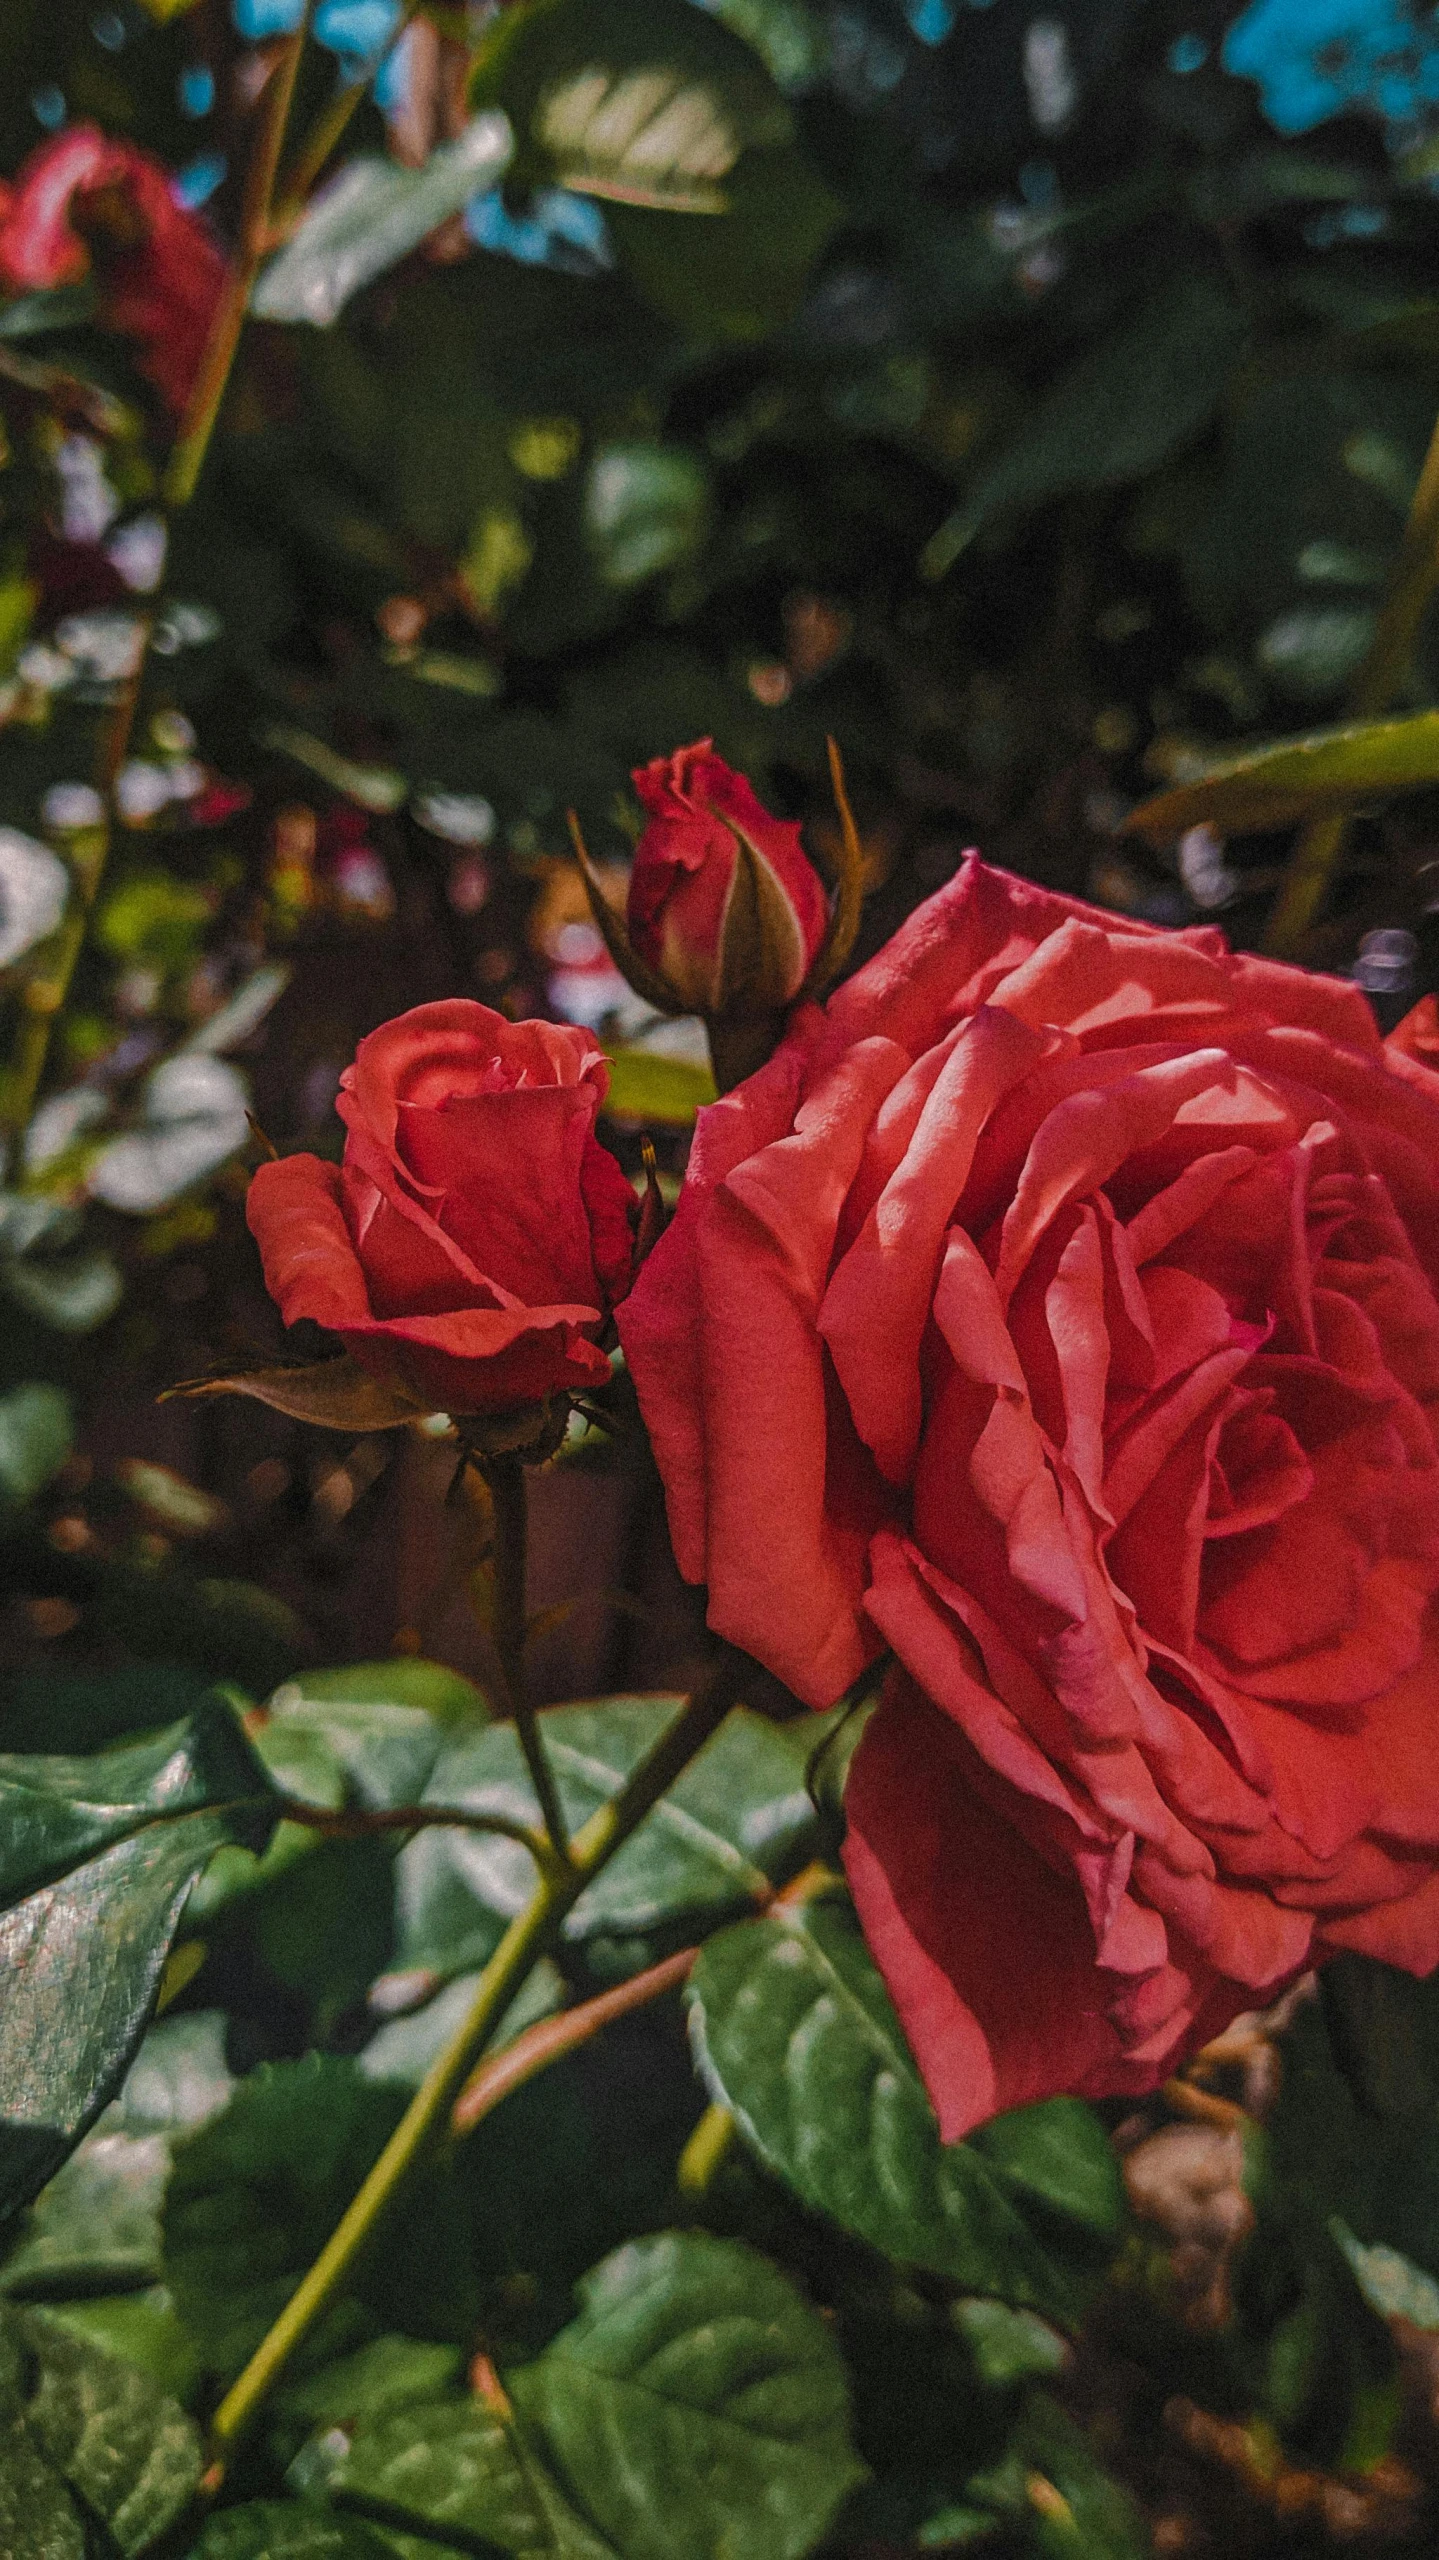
(470,1248)
(724,905)
(159,270)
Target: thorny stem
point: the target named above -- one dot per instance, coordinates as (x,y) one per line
(427,2115)
(44,997)
(505,1477)
(1318,846)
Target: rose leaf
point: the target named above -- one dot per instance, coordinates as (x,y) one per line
(795,2033)
(97,1859)
(697,2404)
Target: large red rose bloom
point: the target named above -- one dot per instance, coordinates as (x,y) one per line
(1057,1308)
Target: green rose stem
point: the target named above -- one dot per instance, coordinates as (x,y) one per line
(426,2118)
(505,1476)
(44,997)
(1382,676)
(207,396)
(324,137)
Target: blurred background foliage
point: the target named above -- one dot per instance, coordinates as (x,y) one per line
(1034,398)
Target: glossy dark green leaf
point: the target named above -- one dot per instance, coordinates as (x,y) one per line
(1293,778)
(1121,407)
(795,2034)
(737,1822)
(98,1861)
(1008,2346)
(1324,2153)
(55,1813)
(97,2224)
(275,2529)
(696,2405)
(324,1926)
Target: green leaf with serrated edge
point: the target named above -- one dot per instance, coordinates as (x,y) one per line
(696,2405)
(179,2078)
(794,2032)
(129,2452)
(324,1927)
(81,1958)
(736,1823)
(1292,778)
(451,2465)
(97,2224)
(388,2374)
(276,2529)
(1120,408)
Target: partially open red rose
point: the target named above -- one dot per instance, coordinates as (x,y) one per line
(83,196)
(1057,1308)
(724,903)
(475,1238)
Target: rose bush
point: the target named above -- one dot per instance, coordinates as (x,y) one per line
(724,903)
(1057,1309)
(473,1242)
